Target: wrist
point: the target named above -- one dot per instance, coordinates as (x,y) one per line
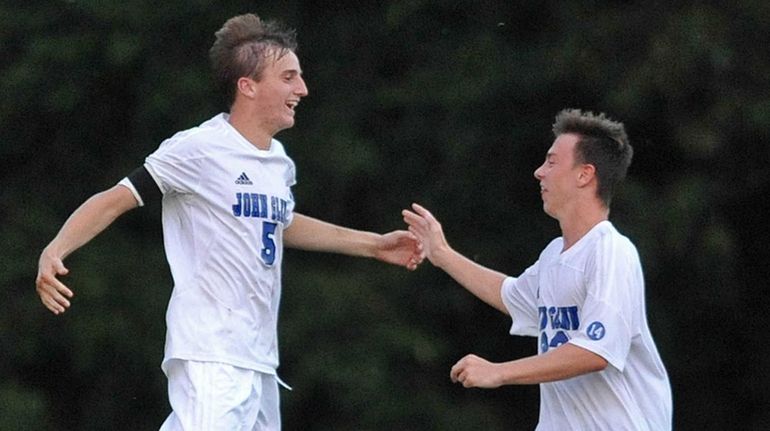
(53,251)
(507,374)
(442,256)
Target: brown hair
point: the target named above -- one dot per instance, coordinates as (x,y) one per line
(241,47)
(602,143)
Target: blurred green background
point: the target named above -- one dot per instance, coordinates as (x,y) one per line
(444,103)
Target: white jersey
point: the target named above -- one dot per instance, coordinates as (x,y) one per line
(592,295)
(225,206)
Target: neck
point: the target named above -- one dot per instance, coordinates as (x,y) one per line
(579,223)
(250,129)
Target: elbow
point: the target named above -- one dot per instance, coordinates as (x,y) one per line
(595,363)
(587,361)
(600,364)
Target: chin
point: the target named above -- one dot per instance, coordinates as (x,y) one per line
(283,126)
(546,209)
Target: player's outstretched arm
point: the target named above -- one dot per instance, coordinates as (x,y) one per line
(398,247)
(483,282)
(84,224)
(564,362)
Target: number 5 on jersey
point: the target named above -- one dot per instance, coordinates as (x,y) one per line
(268,242)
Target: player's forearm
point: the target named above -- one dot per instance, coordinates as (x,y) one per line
(481,281)
(562,363)
(307,233)
(91,218)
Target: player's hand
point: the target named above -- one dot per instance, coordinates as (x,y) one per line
(53,293)
(400,248)
(473,371)
(428,231)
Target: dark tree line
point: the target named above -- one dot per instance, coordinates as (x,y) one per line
(444,103)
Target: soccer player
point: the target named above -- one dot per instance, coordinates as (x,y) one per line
(597,365)
(228,212)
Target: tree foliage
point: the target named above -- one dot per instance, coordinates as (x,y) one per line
(444,103)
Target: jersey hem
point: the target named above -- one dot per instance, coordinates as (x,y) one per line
(125,182)
(255,366)
(593,348)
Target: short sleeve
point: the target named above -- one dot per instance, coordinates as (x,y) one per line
(613,288)
(519,296)
(175,165)
(125,182)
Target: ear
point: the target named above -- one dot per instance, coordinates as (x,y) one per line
(247,87)
(586,174)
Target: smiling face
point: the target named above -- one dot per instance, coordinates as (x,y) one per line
(560,176)
(277,92)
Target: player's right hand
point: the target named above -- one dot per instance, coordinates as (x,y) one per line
(476,372)
(429,232)
(53,293)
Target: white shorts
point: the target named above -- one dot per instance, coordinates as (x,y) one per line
(207,396)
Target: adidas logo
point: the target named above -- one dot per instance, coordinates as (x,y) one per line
(243,179)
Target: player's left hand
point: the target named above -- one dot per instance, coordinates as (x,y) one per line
(400,248)
(474,371)
(54,294)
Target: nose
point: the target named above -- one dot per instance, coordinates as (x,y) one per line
(301,89)
(538,173)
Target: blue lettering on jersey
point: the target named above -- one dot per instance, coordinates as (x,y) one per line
(559,319)
(279,207)
(255,205)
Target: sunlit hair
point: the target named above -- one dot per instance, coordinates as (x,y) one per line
(242,47)
(602,143)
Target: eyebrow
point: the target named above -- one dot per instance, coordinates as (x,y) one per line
(292,72)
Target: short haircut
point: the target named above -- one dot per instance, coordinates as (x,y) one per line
(242,47)
(602,143)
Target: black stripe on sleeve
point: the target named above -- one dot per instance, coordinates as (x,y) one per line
(145,185)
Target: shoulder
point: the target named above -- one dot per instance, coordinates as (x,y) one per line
(277,151)
(609,234)
(195,141)
(277,148)
(610,243)
(553,249)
